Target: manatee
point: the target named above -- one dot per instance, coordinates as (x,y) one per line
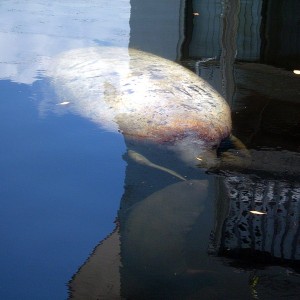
(142,96)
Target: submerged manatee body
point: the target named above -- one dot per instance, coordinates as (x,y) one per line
(143,96)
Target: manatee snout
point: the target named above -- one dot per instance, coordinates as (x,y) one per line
(198,153)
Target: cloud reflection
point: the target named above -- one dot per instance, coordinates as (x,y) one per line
(33,32)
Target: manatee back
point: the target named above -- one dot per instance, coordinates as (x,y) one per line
(140,94)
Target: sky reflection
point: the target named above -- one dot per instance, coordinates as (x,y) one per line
(35,31)
(61,176)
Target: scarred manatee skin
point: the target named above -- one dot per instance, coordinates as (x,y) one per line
(139,94)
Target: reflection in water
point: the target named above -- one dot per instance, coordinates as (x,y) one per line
(163,246)
(154,245)
(266,117)
(165,111)
(166,215)
(267,183)
(163,228)
(155,104)
(99,277)
(273,234)
(36,31)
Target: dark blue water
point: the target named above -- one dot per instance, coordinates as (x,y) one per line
(80,219)
(61,183)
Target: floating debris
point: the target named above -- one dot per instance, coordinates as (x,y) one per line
(256,212)
(63,103)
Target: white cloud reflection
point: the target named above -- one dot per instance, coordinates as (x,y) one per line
(32,32)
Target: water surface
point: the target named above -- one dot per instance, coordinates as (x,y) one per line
(81,219)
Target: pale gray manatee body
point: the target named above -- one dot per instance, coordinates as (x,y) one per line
(143,96)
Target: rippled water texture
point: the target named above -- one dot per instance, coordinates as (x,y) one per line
(124,175)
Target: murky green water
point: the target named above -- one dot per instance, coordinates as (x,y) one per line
(82,217)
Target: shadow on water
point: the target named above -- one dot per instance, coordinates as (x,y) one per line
(237,224)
